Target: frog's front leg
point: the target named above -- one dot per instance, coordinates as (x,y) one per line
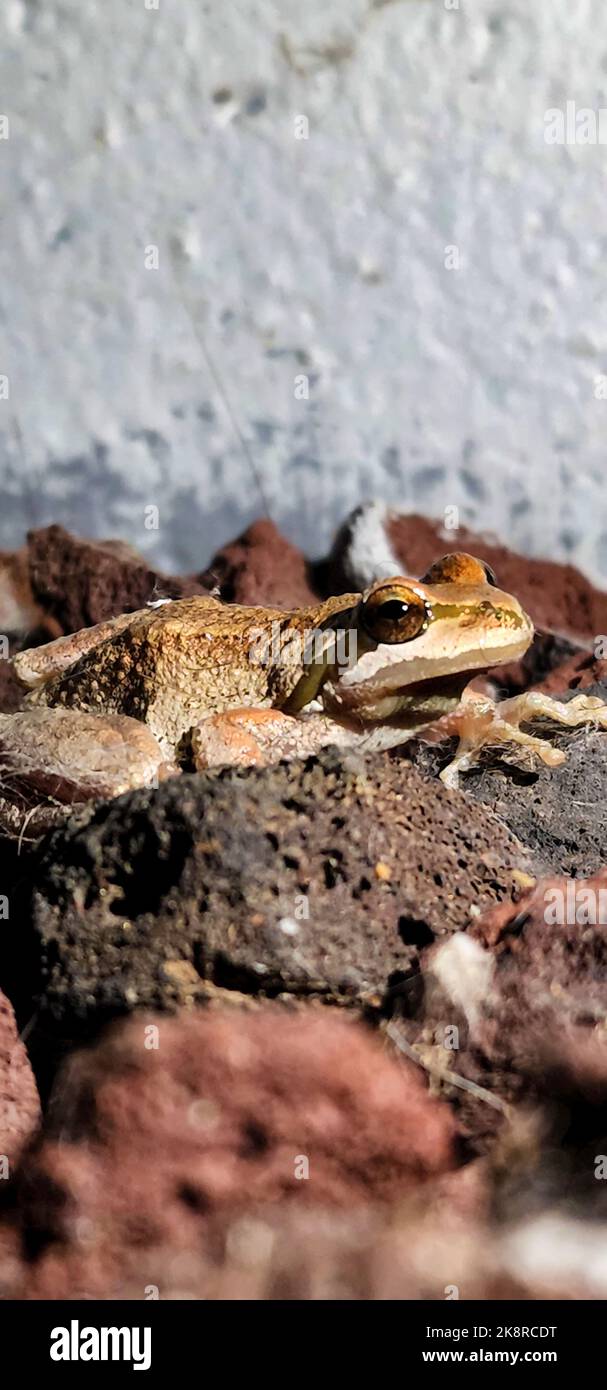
(257,737)
(481,723)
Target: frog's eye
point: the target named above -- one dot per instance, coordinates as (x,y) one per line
(459,568)
(394,613)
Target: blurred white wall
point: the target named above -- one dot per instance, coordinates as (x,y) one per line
(128,387)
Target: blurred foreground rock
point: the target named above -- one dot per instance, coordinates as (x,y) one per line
(518,1008)
(170,1128)
(19,1103)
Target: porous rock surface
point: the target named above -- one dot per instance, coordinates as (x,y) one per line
(83,582)
(261,567)
(336,880)
(318,878)
(550,953)
(558,812)
(557,596)
(533,1032)
(569,612)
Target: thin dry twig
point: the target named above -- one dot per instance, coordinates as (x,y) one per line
(444,1073)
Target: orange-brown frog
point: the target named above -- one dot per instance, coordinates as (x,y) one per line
(197,682)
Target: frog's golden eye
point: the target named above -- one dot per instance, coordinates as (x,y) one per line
(394,613)
(459,568)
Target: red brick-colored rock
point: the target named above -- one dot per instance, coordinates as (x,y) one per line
(146,1146)
(538,1031)
(19,1103)
(82,582)
(18,611)
(261,567)
(578,673)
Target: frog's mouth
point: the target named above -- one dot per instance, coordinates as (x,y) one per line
(382,688)
(411,707)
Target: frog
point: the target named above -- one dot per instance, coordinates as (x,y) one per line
(196,683)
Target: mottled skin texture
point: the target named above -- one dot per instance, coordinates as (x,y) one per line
(175,665)
(217,683)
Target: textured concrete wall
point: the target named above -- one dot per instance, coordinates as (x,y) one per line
(128,387)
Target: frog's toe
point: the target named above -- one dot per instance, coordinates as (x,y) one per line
(481,725)
(582,709)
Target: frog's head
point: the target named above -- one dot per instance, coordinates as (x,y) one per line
(420,641)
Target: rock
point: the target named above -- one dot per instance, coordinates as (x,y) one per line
(19,1103)
(261,567)
(579,671)
(558,597)
(518,1007)
(169,1125)
(551,663)
(322,878)
(288,1254)
(362,551)
(19,613)
(12,1269)
(564,1074)
(558,812)
(11,690)
(434,1243)
(83,582)
(550,953)
(543,1030)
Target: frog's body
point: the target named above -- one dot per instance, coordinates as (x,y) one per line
(220,683)
(177,664)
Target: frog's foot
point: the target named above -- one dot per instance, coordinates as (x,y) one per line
(480,723)
(582,709)
(257,737)
(56,758)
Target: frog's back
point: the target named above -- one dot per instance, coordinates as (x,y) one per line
(178,663)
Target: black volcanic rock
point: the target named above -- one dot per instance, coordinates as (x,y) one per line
(558,812)
(323,878)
